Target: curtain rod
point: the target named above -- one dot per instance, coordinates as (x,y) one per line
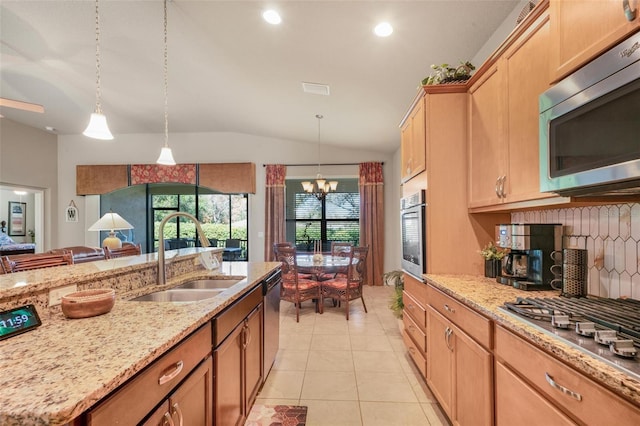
(322,164)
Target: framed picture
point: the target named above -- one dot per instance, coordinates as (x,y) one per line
(17,219)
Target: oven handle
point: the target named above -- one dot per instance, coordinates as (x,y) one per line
(561,388)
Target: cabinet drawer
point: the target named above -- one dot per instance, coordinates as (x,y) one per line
(415,309)
(416,288)
(589,402)
(474,324)
(415,353)
(225,322)
(417,334)
(136,398)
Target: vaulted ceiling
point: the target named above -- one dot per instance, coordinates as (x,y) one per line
(229,70)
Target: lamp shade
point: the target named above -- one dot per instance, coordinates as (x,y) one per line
(97,128)
(110,222)
(166,157)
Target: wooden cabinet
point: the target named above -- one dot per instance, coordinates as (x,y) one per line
(581,30)
(459,372)
(504,123)
(414,321)
(567,390)
(517,403)
(138,397)
(238,358)
(191,403)
(412,140)
(459,361)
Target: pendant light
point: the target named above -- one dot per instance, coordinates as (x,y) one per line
(166,157)
(320,187)
(97,128)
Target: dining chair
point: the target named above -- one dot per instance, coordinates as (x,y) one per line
(338,249)
(295,289)
(287,244)
(213,242)
(127,249)
(345,289)
(26,262)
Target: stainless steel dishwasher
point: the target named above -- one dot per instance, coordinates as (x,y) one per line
(271,335)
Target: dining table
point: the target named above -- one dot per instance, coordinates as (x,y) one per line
(310,263)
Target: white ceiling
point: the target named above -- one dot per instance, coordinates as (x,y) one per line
(229,71)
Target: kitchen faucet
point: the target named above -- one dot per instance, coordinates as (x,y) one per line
(161,261)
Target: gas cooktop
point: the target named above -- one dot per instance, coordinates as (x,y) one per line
(608,329)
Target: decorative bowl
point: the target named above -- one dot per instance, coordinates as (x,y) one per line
(88,303)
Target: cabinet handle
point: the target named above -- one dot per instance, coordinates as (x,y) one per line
(502,181)
(448,309)
(628,12)
(167,420)
(447,336)
(176,410)
(248,332)
(166,378)
(498,186)
(561,388)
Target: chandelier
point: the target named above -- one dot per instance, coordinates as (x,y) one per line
(320,188)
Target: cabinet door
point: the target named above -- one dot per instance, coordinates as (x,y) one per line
(191,403)
(439,359)
(518,404)
(418,138)
(253,356)
(583,29)
(405,149)
(228,379)
(526,80)
(473,381)
(487,154)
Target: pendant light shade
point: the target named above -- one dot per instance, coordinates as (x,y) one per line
(166,157)
(97,128)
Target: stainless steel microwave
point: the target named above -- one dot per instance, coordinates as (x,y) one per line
(590,127)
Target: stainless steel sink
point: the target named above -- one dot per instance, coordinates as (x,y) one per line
(179,295)
(208,284)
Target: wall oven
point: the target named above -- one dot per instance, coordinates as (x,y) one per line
(412,218)
(590,127)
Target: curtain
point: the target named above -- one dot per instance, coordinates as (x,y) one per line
(372,219)
(274,217)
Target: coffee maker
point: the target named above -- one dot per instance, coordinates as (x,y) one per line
(527,265)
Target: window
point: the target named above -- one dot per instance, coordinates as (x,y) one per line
(223,217)
(334,218)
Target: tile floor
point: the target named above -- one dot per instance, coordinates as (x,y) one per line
(352,372)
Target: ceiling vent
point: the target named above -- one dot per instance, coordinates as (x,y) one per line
(315,88)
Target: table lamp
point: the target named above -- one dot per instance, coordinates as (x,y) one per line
(111,222)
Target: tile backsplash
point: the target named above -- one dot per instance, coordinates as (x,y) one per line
(610,233)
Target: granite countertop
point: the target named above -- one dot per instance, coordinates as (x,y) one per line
(56,372)
(485,296)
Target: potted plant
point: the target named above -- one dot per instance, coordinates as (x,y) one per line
(395,278)
(492,259)
(443,74)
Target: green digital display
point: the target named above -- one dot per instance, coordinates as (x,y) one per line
(18,320)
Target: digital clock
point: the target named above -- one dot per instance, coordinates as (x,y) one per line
(18,320)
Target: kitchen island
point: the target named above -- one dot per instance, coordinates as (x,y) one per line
(55,373)
(525,349)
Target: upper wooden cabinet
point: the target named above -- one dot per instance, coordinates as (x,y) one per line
(412,140)
(582,29)
(503,123)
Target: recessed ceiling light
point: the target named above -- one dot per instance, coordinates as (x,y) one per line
(272,17)
(50,129)
(383,29)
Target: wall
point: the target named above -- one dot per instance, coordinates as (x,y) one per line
(217,148)
(27,160)
(611,234)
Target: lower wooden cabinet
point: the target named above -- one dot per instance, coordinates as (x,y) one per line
(459,372)
(238,360)
(191,403)
(163,382)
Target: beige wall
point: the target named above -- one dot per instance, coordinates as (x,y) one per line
(28,160)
